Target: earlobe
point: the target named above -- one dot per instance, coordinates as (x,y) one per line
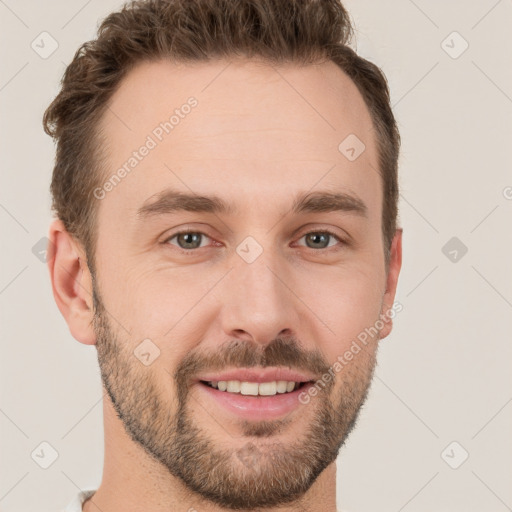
(395,264)
(71,282)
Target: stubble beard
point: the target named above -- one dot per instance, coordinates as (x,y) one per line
(263,471)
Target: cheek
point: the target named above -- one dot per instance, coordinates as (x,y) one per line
(164,306)
(348,302)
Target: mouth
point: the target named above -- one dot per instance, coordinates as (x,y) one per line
(251,400)
(246,388)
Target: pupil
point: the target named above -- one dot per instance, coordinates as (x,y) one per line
(315,238)
(190,239)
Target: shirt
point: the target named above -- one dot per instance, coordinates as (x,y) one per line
(78,500)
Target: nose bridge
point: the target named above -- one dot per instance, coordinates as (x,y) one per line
(259,304)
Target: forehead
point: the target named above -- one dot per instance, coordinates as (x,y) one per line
(245,129)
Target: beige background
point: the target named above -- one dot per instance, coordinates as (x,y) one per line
(443,374)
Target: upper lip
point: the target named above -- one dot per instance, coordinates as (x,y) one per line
(257,375)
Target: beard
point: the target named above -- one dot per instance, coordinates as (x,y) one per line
(265,471)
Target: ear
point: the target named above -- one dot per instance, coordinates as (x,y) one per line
(395,264)
(71,282)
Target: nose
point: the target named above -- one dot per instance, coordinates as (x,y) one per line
(259,301)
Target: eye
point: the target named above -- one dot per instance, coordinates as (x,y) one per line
(188,240)
(321,239)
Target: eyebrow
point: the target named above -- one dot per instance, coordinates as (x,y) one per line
(321,202)
(171,201)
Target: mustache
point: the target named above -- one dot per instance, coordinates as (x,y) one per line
(286,352)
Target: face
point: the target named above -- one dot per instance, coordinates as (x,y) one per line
(238,258)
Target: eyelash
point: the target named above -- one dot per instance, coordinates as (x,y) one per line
(191,251)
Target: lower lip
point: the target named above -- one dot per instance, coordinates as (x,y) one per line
(256,407)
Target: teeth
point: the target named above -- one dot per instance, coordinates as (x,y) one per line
(268,388)
(233,386)
(281,386)
(255,388)
(249,388)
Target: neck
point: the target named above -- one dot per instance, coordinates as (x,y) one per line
(133,480)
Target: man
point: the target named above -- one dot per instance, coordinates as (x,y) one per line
(226,196)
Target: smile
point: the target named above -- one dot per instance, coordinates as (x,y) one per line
(253,401)
(255,388)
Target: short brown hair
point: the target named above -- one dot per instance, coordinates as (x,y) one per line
(279,31)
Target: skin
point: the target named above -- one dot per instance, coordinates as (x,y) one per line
(258,136)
